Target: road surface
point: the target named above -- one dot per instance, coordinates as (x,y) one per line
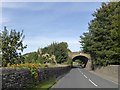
(81,78)
(0,82)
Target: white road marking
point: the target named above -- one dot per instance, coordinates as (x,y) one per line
(85,76)
(106,79)
(113,82)
(80,71)
(89,79)
(93,83)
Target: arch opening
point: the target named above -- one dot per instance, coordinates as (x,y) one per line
(83,60)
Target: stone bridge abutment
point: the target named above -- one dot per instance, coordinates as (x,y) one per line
(84,57)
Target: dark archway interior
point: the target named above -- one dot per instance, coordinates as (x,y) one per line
(83,59)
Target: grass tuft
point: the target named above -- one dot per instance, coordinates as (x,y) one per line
(44,85)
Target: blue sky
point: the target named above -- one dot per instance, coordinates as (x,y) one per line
(47,22)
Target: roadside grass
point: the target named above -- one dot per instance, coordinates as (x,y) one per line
(44,85)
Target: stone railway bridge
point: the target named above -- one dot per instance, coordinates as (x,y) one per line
(84,57)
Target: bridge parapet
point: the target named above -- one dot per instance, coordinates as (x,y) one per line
(74,54)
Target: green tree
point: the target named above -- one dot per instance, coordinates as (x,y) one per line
(0,42)
(54,53)
(0,50)
(60,50)
(103,39)
(31,57)
(12,47)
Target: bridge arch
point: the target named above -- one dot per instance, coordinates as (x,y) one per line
(84,57)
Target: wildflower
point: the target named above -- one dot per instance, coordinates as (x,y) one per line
(39,65)
(8,65)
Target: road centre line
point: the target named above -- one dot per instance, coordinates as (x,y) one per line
(93,83)
(80,71)
(85,76)
(89,79)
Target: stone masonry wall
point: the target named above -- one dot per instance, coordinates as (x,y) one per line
(19,78)
(111,70)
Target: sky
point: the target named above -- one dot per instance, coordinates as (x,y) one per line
(47,22)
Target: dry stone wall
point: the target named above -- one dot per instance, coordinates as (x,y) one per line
(19,78)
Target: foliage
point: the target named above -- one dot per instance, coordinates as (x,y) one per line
(44,85)
(54,53)
(12,47)
(31,57)
(69,61)
(53,59)
(49,58)
(78,61)
(46,57)
(36,57)
(34,71)
(103,39)
(59,50)
(25,65)
(0,43)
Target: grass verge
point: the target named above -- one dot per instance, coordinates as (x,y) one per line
(44,85)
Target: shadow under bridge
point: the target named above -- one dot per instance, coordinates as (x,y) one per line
(83,60)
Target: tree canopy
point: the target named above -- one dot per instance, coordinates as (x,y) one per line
(53,53)
(11,46)
(60,50)
(103,39)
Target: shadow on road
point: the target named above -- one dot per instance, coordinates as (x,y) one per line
(77,67)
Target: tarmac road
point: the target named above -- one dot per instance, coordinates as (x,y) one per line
(81,78)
